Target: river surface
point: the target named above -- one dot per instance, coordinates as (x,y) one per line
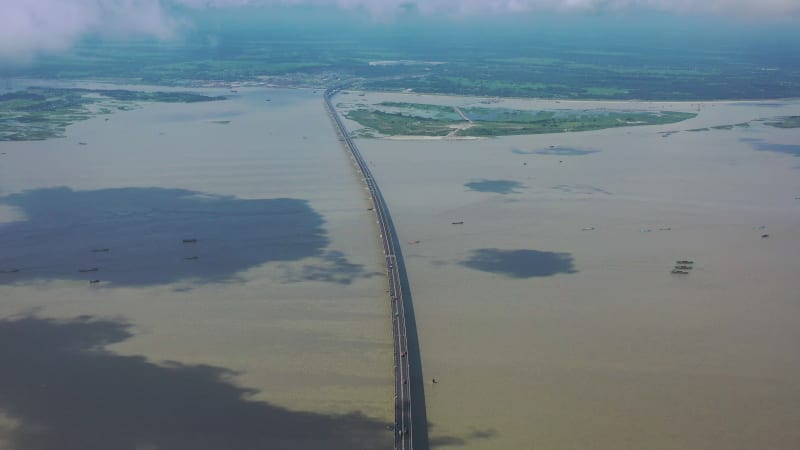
(239,300)
(550,318)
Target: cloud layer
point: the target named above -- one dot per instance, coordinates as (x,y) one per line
(31,27)
(744,8)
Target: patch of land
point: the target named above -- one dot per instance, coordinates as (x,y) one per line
(731,126)
(417,119)
(784,122)
(39,113)
(396,124)
(446,60)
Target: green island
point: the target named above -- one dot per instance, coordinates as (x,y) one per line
(732,126)
(39,113)
(488,122)
(784,122)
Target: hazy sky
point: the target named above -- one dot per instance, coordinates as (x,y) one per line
(32,27)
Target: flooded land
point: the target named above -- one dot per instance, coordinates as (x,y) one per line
(208,274)
(541,269)
(191,275)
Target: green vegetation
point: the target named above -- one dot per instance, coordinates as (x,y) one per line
(540,59)
(732,126)
(784,122)
(507,115)
(560,122)
(419,106)
(503,122)
(399,124)
(41,113)
(423,110)
(604,91)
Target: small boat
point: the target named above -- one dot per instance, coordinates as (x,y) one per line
(683,267)
(91,269)
(679,272)
(9,271)
(190,241)
(684,262)
(94,281)
(100,250)
(460,222)
(192,258)
(764,236)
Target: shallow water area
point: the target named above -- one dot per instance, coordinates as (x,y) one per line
(211,267)
(548,312)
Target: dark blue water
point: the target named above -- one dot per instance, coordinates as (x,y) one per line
(764,146)
(135,236)
(520,263)
(68,392)
(495,186)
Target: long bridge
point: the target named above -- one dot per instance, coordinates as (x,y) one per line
(403,426)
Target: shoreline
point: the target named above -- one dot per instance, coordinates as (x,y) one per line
(216,84)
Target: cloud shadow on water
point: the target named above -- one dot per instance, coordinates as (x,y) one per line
(65,390)
(475,434)
(143,229)
(495,186)
(520,263)
(580,189)
(334,267)
(761,145)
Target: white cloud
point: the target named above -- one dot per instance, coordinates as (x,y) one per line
(31,27)
(743,8)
